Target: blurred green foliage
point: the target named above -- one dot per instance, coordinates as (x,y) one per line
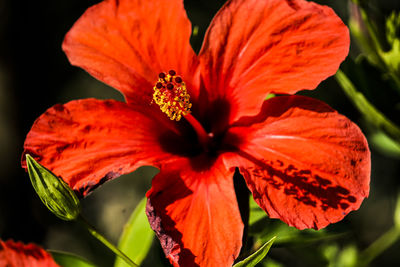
(32,65)
(70,260)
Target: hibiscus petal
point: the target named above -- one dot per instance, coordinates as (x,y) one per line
(126,43)
(194,212)
(304,163)
(17,254)
(255,47)
(87,142)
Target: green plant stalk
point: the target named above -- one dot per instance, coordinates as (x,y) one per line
(381,244)
(107,243)
(371,31)
(373,115)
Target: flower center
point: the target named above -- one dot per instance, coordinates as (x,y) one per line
(171,95)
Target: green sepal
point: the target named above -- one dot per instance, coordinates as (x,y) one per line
(54,192)
(70,260)
(257,256)
(137,237)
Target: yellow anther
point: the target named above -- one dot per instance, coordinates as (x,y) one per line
(171,95)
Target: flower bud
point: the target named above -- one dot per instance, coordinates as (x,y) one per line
(54,192)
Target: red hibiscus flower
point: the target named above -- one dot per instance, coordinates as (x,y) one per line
(16,254)
(199,117)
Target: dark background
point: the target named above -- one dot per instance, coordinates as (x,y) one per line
(35,74)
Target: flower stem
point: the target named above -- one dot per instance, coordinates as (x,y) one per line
(383,242)
(373,115)
(202,135)
(107,243)
(379,246)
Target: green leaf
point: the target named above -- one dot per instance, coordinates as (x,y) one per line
(70,260)
(256,213)
(257,256)
(137,237)
(392,57)
(392,27)
(54,192)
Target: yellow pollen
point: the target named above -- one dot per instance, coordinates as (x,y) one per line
(171,95)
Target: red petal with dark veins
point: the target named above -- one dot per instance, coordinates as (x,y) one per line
(192,208)
(87,142)
(255,47)
(126,43)
(304,163)
(16,254)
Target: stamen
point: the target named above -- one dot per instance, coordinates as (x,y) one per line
(171,95)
